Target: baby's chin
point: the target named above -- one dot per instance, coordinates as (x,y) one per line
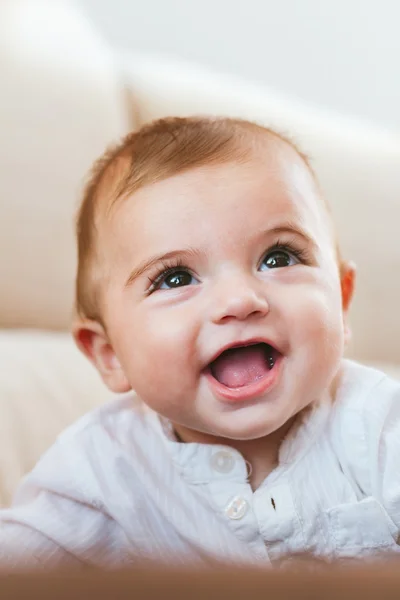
(237,428)
(248,434)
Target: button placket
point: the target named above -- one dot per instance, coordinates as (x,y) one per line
(231,494)
(236,508)
(277,515)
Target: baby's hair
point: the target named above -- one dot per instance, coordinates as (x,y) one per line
(158,150)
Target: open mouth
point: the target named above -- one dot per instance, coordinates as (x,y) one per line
(243,366)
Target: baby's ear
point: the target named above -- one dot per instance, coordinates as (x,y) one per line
(347,283)
(92,340)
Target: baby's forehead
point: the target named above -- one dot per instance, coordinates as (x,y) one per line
(265,157)
(279,186)
(295,176)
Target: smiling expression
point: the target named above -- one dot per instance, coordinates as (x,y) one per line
(223,299)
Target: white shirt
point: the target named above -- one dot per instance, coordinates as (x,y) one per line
(117,486)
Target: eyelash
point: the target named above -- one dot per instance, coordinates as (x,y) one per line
(168,268)
(302,254)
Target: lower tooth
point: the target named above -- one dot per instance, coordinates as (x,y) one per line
(271,362)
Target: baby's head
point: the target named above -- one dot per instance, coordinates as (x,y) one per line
(209,279)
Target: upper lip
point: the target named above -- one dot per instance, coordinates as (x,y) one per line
(241,344)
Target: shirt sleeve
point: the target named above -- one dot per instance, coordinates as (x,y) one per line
(58,519)
(383,429)
(22,547)
(380,441)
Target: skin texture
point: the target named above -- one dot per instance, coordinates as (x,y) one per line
(221,223)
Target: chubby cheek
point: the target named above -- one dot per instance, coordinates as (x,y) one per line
(316,330)
(158,353)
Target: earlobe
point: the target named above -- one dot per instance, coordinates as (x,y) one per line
(347,282)
(92,340)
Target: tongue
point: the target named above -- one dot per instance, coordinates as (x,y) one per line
(240,366)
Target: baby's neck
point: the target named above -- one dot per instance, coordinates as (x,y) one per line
(260,454)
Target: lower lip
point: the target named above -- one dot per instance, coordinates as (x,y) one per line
(246,392)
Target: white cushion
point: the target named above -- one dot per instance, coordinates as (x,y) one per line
(61,105)
(45,385)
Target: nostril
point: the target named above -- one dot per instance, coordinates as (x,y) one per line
(242,307)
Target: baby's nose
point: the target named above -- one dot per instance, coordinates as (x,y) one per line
(239,302)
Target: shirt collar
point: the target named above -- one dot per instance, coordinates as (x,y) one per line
(203,463)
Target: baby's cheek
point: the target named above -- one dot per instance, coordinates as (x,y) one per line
(316,343)
(175,332)
(316,320)
(165,345)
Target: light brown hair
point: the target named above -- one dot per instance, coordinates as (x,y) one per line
(159,150)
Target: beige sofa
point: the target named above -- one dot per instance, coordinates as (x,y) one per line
(64,96)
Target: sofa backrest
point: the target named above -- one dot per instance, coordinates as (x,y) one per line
(61,105)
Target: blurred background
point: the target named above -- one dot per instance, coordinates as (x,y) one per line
(341,54)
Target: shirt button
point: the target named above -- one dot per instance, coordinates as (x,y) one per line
(222,461)
(237,508)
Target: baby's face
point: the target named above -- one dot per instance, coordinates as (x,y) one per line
(224,304)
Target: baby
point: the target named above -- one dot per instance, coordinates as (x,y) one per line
(210,282)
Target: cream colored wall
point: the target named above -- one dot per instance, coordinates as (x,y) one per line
(342,54)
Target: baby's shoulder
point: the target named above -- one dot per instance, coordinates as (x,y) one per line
(123,417)
(88,453)
(363,391)
(365,411)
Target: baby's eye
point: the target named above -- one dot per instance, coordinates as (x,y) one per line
(175,279)
(276,259)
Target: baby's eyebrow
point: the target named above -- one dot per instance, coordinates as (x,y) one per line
(293,229)
(159,258)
